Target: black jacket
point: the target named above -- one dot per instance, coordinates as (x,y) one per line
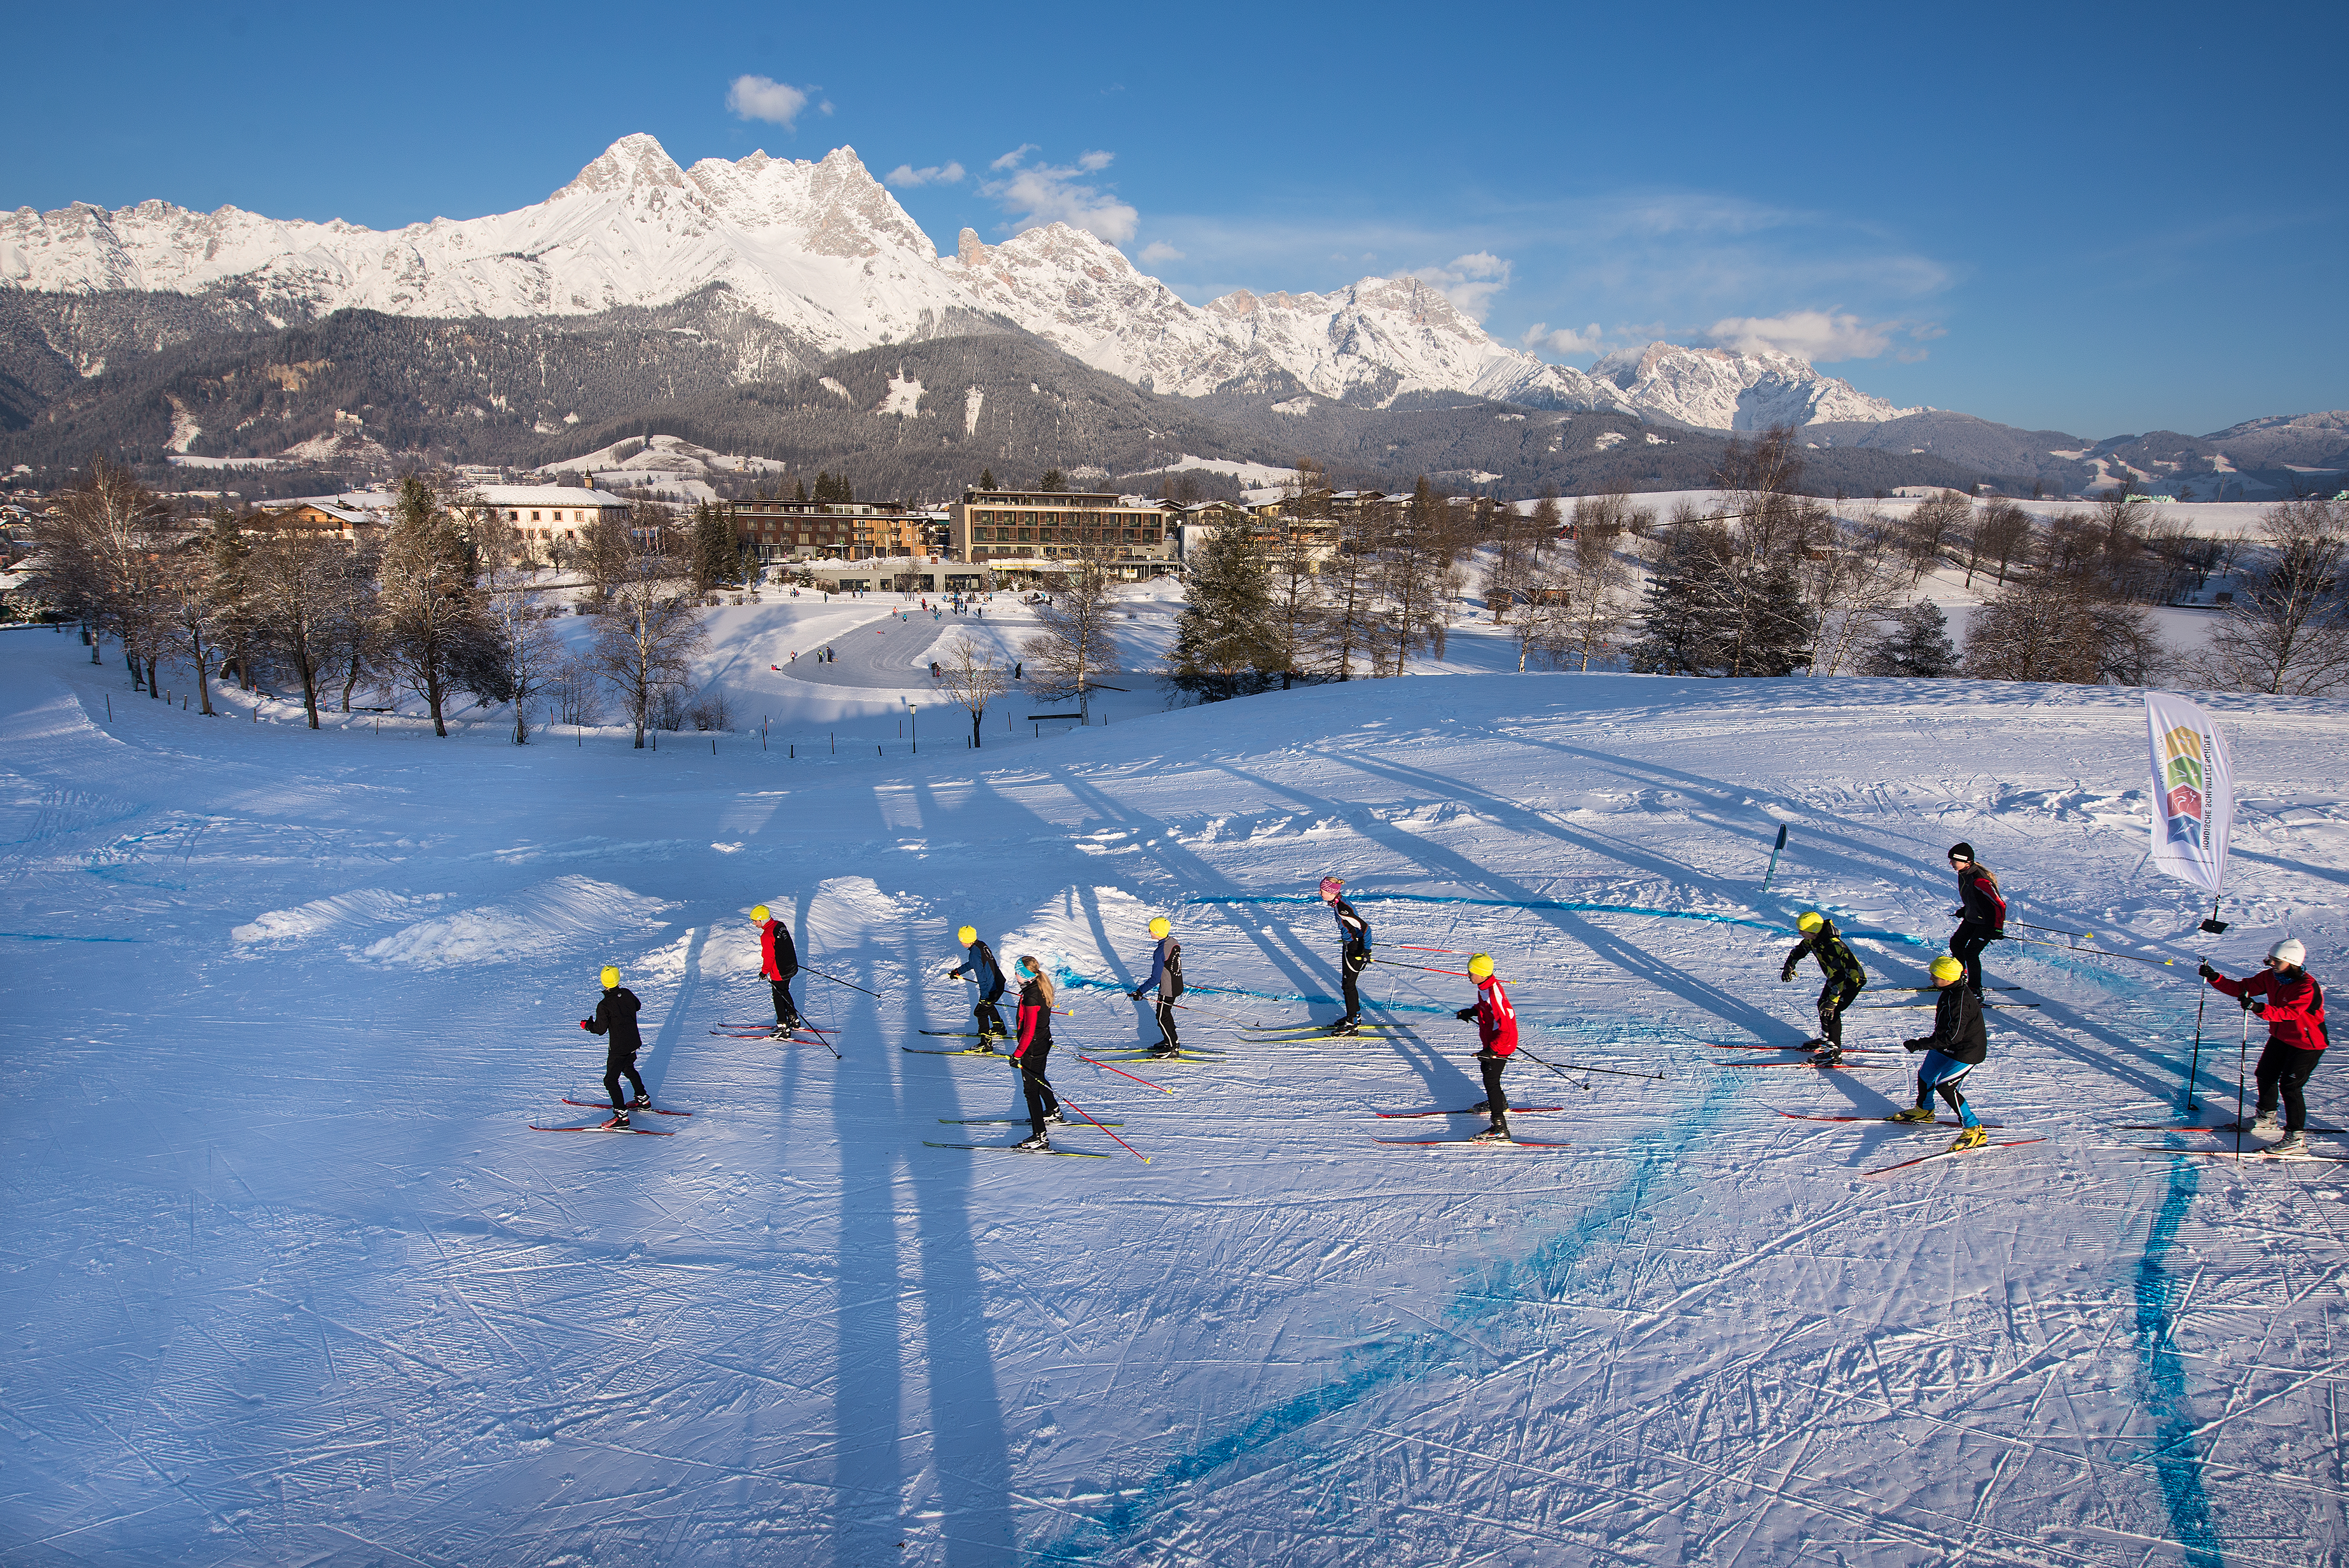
(1835,960)
(615,1014)
(1958,1031)
(984,970)
(1979,901)
(1353,933)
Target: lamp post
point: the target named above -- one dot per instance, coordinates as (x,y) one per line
(914,720)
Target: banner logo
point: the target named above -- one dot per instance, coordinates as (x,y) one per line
(2185,787)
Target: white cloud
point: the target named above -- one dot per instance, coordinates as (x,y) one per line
(1159,251)
(777,103)
(1048,193)
(1469,281)
(1540,339)
(1820,336)
(1011,159)
(905,175)
(1094,163)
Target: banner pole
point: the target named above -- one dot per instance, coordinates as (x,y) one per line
(2199,1004)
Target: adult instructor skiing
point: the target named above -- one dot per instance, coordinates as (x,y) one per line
(779,961)
(1496,1042)
(2288,996)
(1166,974)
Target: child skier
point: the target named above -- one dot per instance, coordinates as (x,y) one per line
(1981,912)
(1034,1049)
(1354,953)
(1955,1047)
(2294,1010)
(777,961)
(615,1014)
(1166,973)
(986,975)
(1845,979)
(1497,1037)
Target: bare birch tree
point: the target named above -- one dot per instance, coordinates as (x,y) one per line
(649,630)
(2288,629)
(1076,646)
(974,679)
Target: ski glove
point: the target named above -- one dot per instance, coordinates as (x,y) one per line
(1135,994)
(1785,975)
(582,1023)
(2259,1009)
(1466,1015)
(2207,972)
(1915,1045)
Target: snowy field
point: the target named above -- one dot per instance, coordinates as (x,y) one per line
(294,1282)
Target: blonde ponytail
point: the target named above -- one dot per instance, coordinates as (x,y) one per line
(1043,980)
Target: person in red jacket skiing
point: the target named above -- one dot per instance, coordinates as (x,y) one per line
(1981,912)
(1496,1037)
(1034,1050)
(2288,996)
(779,961)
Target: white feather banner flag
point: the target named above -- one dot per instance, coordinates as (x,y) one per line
(2193,791)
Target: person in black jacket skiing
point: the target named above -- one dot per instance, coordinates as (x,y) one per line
(1166,974)
(1956,1047)
(986,974)
(779,961)
(1981,912)
(1354,953)
(615,1014)
(1845,980)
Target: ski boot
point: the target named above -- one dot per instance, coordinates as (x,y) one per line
(1914,1113)
(1162,1050)
(1971,1138)
(1828,1055)
(2290,1143)
(782,1032)
(1055,1117)
(1815,1042)
(619,1123)
(1345,1028)
(1496,1134)
(642,1102)
(1033,1143)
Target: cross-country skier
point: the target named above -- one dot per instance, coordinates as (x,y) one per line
(2293,1007)
(1496,1037)
(1955,1047)
(1354,953)
(1981,912)
(986,975)
(779,961)
(615,1014)
(1166,974)
(1033,1050)
(1845,980)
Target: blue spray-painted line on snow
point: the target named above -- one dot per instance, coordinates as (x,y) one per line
(2177,1468)
(1542,1275)
(53,936)
(1546,903)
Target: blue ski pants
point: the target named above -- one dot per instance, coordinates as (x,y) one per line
(1941,1073)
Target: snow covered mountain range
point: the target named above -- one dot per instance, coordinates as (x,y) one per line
(824,250)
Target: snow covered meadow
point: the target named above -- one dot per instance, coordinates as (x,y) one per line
(294,1281)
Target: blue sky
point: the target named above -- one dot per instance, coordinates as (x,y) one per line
(2093,218)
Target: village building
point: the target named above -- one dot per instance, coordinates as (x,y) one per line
(549,514)
(1030,534)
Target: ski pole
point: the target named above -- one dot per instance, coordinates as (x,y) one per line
(1407,948)
(2088,952)
(1422,968)
(1121,1072)
(828,1045)
(1583,1068)
(1121,1143)
(850,984)
(2056,929)
(2242,1064)
(2199,1003)
(1773,858)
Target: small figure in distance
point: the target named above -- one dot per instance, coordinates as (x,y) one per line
(1956,1047)
(1496,1042)
(779,961)
(1354,953)
(986,974)
(1845,980)
(615,1014)
(2288,996)
(1166,974)
(1981,912)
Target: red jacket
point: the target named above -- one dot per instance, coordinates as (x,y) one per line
(1035,1022)
(778,959)
(2295,1009)
(1496,1021)
(1979,900)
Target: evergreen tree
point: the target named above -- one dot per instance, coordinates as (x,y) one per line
(1672,636)
(1225,644)
(1052,483)
(986,479)
(1917,646)
(799,492)
(715,559)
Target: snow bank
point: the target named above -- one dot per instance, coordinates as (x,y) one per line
(568,914)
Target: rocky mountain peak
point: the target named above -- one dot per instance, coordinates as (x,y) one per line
(635,160)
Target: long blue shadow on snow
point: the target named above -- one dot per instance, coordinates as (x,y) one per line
(1542,903)
(1544,1274)
(2177,1468)
(52,936)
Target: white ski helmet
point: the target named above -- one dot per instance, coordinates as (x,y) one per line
(2289,951)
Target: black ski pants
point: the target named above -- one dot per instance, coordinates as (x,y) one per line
(1497,1102)
(1833,997)
(1166,1025)
(1041,1101)
(991,1022)
(619,1064)
(1966,946)
(787,1012)
(2282,1070)
(1351,965)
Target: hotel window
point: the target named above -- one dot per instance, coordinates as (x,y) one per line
(533,517)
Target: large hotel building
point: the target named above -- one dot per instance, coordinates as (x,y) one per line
(1034,530)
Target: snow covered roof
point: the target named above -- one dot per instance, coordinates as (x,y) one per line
(547,495)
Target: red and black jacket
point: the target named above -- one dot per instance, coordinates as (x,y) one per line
(1979,901)
(2296,1004)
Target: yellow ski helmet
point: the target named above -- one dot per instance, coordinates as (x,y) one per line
(610,977)
(1481,966)
(1946,969)
(759,914)
(967,935)
(1161,926)
(1812,920)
